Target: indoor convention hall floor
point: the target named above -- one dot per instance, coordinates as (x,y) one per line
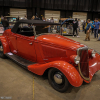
(18,84)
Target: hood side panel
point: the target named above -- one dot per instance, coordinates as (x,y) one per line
(59,40)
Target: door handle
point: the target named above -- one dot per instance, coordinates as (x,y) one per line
(31,43)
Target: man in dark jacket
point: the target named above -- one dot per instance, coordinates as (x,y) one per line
(75,26)
(37,18)
(5,23)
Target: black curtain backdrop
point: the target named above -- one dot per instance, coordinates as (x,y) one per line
(69,14)
(89,15)
(70,4)
(66,4)
(90,6)
(42,4)
(1,2)
(98,6)
(1,11)
(81,5)
(29,13)
(95,3)
(63,14)
(63,4)
(67,7)
(55,6)
(47,4)
(75,5)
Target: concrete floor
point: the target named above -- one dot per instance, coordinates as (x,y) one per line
(17,83)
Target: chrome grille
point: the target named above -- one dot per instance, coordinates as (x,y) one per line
(84,62)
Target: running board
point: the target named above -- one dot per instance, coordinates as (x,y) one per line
(21,61)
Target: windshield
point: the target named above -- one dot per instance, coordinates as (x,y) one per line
(47,29)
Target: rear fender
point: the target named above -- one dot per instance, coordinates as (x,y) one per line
(5,44)
(67,69)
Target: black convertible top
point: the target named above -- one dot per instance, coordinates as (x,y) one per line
(33,22)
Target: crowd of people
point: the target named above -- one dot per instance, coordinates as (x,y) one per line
(88,26)
(92,27)
(4,22)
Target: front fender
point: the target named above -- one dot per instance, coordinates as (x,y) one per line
(5,44)
(94,66)
(67,69)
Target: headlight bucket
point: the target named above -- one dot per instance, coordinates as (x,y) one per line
(93,53)
(75,59)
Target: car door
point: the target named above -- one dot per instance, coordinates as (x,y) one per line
(12,42)
(26,47)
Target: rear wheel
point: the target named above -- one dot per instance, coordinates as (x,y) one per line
(1,51)
(58,80)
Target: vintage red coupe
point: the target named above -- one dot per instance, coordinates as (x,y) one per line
(39,47)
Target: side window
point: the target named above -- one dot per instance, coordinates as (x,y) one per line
(45,29)
(25,29)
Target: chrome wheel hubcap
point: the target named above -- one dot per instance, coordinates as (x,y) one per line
(58,78)
(1,48)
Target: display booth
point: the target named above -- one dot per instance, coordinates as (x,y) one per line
(67,26)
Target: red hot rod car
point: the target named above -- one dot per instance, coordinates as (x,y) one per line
(38,46)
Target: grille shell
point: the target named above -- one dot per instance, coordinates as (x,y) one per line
(84,62)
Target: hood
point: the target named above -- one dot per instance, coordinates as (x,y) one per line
(62,41)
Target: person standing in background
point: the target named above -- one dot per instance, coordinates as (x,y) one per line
(51,20)
(37,18)
(2,17)
(25,17)
(88,30)
(5,23)
(92,27)
(33,17)
(96,28)
(0,20)
(75,26)
(79,24)
(18,18)
(43,19)
(83,24)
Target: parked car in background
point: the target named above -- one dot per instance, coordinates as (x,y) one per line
(67,26)
(63,60)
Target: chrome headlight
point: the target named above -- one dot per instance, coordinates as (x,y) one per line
(77,60)
(93,53)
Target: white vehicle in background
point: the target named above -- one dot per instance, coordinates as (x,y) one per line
(67,26)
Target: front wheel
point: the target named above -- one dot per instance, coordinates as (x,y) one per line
(58,80)
(1,51)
